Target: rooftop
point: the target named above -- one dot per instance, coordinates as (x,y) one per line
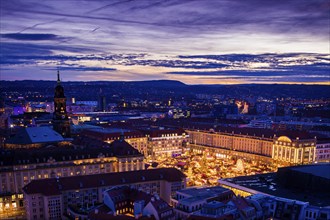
(323,140)
(258,132)
(109,130)
(196,194)
(85,148)
(111,133)
(122,149)
(321,170)
(160,132)
(240,203)
(32,135)
(214,204)
(269,184)
(125,193)
(55,186)
(208,191)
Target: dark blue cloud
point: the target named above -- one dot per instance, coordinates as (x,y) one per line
(193,16)
(249,57)
(32,37)
(177,64)
(31,53)
(11,52)
(282,67)
(83,68)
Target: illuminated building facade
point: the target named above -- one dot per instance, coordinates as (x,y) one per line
(287,147)
(233,141)
(19,167)
(323,150)
(294,151)
(149,142)
(166,142)
(85,191)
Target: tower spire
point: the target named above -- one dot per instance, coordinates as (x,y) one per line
(122,136)
(58,76)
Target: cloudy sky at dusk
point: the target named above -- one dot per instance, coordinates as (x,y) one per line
(196,42)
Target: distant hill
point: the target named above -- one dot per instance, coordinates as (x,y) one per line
(156,89)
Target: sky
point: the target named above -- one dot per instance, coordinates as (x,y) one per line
(193,41)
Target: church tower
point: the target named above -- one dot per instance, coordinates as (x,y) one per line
(101,102)
(61,122)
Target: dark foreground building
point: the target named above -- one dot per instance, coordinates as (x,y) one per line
(308,178)
(50,198)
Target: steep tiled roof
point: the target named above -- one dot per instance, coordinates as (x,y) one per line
(125,193)
(122,148)
(240,203)
(160,205)
(201,217)
(100,180)
(84,148)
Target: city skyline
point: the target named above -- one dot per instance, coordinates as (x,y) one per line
(196,42)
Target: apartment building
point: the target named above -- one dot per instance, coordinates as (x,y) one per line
(153,142)
(167,142)
(137,139)
(323,150)
(19,167)
(285,146)
(51,198)
(190,200)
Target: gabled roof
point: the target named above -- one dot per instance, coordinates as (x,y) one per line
(122,148)
(125,193)
(34,135)
(160,205)
(240,203)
